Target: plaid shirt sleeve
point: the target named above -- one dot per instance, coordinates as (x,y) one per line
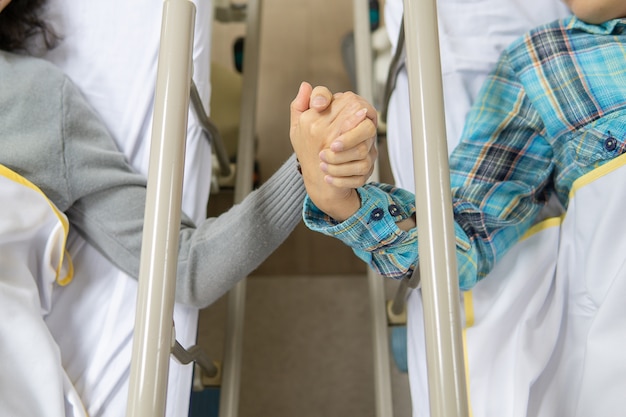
(551,112)
(499,172)
(372,231)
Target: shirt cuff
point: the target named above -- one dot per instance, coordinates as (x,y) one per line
(374,225)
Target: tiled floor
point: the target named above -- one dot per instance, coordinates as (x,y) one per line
(307,348)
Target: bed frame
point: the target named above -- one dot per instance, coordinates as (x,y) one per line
(438,268)
(154,337)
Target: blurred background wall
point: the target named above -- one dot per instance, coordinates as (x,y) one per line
(307,342)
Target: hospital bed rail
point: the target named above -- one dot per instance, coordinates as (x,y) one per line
(437,272)
(380,346)
(211,132)
(233,343)
(437,266)
(154,336)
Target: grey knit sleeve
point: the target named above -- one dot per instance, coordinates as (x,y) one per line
(107,201)
(227,248)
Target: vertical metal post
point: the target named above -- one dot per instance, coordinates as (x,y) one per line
(380,337)
(438,266)
(229,395)
(152,341)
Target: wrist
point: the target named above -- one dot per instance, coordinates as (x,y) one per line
(341,207)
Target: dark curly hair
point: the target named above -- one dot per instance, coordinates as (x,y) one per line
(20,21)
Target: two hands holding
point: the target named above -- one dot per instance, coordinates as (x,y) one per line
(334,138)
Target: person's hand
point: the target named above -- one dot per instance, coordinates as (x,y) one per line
(334,137)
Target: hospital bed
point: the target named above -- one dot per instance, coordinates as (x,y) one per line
(466,56)
(117,66)
(466,42)
(105,380)
(138,154)
(110,50)
(519,324)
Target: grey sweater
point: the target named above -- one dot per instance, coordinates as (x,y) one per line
(51,136)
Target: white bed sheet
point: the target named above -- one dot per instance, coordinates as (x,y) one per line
(110,51)
(472,35)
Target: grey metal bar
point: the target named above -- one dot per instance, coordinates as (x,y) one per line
(380,336)
(211,131)
(152,341)
(398,304)
(229,394)
(440,288)
(194,354)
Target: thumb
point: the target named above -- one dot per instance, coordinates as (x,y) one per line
(320,98)
(300,104)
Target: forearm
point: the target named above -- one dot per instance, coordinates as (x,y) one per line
(104,200)
(383,232)
(226,249)
(214,256)
(373,232)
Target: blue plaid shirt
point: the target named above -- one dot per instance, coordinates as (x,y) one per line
(552,110)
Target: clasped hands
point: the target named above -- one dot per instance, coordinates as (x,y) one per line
(334,138)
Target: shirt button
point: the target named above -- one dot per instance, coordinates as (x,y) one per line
(610,144)
(394,210)
(377,214)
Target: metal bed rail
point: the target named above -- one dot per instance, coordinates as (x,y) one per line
(437,271)
(233,346)
(438,266)
(154,336)
(376,284)
(154,333)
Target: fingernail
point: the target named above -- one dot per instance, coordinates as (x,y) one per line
(323,156)
(324,166)
(328,179)
(301,88)
(361,112)
(319,101)
(336,146)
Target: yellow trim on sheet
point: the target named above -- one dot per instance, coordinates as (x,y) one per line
(597,173)
(586,179)
(542,225)
(70,269)
(468,299)
(15,177)
(468,303)
(467,377)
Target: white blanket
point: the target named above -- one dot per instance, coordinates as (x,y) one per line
(545,332)
(508,311)
(32,262)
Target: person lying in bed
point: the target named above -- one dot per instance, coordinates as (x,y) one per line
(550,112)
(548,120)
(53,138)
